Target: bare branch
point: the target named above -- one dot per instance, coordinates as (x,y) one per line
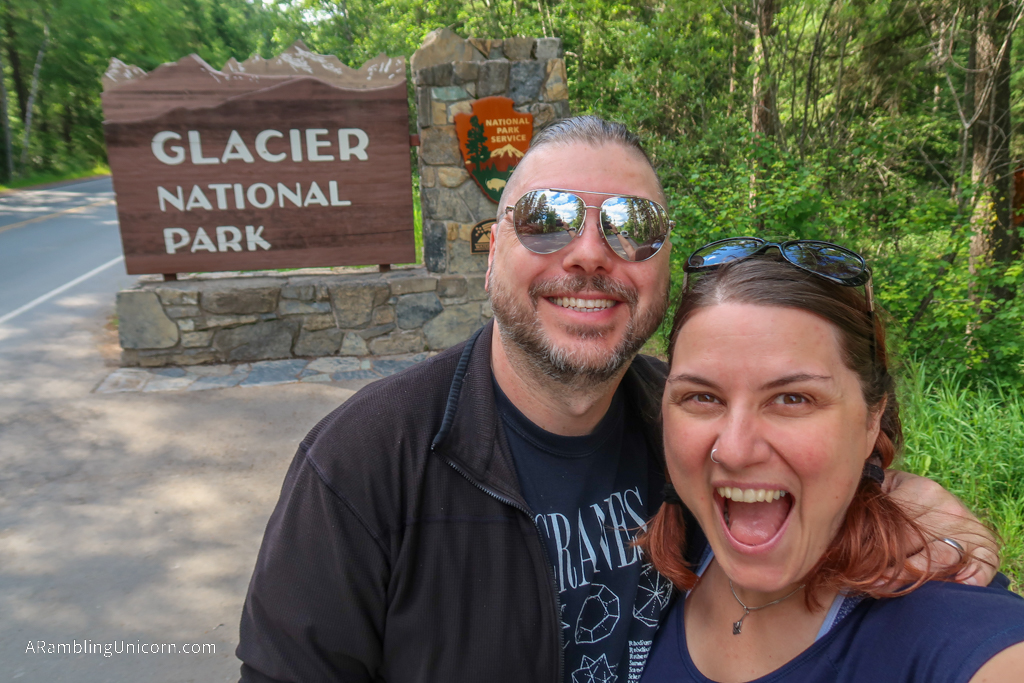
(810,70)
(742,23)
(924,157)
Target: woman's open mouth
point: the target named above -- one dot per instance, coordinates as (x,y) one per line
(754,517)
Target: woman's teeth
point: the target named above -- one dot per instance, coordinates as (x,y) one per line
(582,304)
(750,495)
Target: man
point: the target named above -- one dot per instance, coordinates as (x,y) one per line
(471,519)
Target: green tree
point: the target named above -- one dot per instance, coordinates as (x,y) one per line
(476,144)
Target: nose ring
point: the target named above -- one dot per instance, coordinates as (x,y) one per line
(713,451)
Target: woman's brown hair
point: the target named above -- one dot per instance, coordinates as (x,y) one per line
(877,537)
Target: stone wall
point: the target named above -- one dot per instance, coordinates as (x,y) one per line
(449,73)
(272,316)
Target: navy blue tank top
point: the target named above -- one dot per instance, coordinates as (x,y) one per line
(940,633)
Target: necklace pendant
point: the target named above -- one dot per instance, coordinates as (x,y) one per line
(737,626)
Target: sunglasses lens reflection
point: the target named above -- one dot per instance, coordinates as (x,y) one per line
(635,228)
(725,251)
(546,220)
(825,259)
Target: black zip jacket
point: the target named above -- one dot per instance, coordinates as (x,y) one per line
(401,549)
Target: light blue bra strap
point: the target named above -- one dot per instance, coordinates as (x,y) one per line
(830,617)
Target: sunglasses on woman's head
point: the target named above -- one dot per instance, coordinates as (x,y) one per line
(824,259)
(547,220)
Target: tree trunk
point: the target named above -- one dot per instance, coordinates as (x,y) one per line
(15,61)
(67,121)
(993,237)
(764,117)
(966,114)
(8,151)
(735,58)
(32,96)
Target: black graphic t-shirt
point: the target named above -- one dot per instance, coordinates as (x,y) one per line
(589,495)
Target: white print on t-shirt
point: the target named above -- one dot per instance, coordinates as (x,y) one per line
(638,651)
(620,516)
(652,595)
(594,671)
(598,616)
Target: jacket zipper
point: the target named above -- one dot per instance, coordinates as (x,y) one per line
(550,569)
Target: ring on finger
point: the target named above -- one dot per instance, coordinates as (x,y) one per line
(955,545)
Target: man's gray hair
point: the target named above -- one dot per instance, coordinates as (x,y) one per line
(587,130)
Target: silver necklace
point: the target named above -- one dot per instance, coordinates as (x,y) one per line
(737,626)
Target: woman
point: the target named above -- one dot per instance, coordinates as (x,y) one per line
(779,414)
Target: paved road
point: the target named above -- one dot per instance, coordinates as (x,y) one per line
(20,205)
(51,237)
(126,518)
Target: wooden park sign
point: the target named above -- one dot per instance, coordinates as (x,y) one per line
(282,163)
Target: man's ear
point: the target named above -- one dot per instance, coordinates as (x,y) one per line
(490,256)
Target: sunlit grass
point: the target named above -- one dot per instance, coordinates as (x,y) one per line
(971,440)
(417,216)
(55,176)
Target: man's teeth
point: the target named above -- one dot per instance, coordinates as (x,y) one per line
(750,495)
(582,304)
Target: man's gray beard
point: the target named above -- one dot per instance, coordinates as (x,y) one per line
(520,327)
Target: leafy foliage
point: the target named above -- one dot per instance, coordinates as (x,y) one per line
(871,99)
(870,154)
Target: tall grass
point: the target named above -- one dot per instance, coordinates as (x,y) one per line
(970,439)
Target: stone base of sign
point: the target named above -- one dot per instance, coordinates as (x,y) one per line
(450,72)
(222,318)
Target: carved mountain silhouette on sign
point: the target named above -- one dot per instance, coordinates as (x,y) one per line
(380,72)
(130,94)
(189,82)
(118,73)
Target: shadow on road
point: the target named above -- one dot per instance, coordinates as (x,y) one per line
(130,517)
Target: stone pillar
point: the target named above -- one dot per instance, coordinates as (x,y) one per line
(449,73)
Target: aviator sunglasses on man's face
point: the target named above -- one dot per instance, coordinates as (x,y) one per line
(547,220)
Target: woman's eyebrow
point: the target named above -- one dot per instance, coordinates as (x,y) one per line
(793,379)
(774,384)
(692,379)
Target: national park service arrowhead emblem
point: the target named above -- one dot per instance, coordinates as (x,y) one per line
(493,139)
